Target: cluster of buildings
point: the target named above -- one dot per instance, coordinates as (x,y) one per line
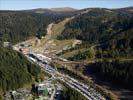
(19,94)
(43,91)
(25,49)
(48,91)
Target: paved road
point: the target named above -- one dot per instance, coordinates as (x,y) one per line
(89,92)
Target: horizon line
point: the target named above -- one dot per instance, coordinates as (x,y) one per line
(64,7)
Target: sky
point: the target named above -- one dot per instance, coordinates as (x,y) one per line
(78,4)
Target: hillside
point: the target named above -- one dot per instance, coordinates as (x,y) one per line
(64,9)
(98,25)
(97,43)
(110,31)
(18,26)
(15,70)
(57,11)
(106,49)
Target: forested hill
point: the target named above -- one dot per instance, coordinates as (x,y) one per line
(17,26)
(110,33)
(98,25)
(15,70)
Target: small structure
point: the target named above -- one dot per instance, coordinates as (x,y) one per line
(7,44)
(24,50)
(76,42)
(17,96)
(44,89)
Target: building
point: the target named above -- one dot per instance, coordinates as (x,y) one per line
(44,89)
(24,50)
(17,96)
(76,42)
(7,44)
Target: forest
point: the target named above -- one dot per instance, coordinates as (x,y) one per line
(105,33)
(109,35)
(115,72)
(15,70)
(101,26)
(16,26)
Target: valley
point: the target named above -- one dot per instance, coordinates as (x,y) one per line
(89,51)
